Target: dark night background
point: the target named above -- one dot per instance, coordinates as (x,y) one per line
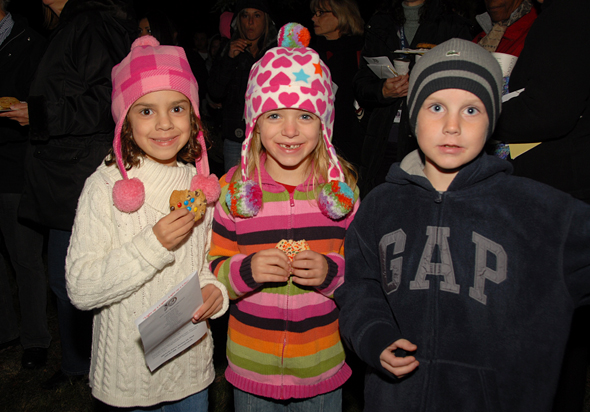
(188,15)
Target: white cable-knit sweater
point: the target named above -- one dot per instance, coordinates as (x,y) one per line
(116,266)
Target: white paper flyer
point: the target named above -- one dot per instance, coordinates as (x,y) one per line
(166,328)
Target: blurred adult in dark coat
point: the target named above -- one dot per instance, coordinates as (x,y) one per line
(71,131)
(21,48)
(397,24)
(339,27)
(554,109)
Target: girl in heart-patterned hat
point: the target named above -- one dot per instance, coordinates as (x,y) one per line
(292,77)
(290,187)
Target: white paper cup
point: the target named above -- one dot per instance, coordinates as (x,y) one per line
(401,66)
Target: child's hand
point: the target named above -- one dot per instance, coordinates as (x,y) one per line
(396,86)
(174,228)
(270,265)
(309,268)
(212,303)
(399,366)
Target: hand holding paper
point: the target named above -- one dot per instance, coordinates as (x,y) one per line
(212,303)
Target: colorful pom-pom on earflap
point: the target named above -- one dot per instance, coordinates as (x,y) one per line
(336,199)
(128,195)
(293,35)
(209,185)
(244,199)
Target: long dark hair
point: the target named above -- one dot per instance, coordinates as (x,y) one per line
(267,39)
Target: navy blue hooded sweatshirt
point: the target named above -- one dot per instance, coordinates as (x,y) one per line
(483,278)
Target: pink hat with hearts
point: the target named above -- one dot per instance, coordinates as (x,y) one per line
(291,76)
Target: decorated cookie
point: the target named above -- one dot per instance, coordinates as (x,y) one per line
(6,102)
(193,201)
(292,247)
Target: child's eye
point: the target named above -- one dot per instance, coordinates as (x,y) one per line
(307,117)
(145,112)
(436,108)
(178,109)
(472,111)
(273,116)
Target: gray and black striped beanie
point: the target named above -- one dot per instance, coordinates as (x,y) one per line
(457,64)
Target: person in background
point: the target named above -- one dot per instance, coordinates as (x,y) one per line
(397,24)
(254,32)
(71,130)
(339,26)
(505,25)
(21,49)
(552,112)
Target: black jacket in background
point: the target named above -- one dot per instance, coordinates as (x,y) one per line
(483,278)
(342,57)
(555,105)
(381,39)
(71,126)
(20,53)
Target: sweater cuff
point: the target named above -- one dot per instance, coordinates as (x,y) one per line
(373,342)
(223,290)
(332,273)
(246,273)
(151,249)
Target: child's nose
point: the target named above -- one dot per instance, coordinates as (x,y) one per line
(452,124)
(290,128)
(165,122)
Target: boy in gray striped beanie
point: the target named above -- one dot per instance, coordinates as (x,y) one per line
(454,101)
(461,279)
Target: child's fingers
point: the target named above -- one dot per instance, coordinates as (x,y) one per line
(173,228)
(404,344)
(212,303)
(401,371)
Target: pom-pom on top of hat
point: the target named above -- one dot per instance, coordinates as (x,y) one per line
(336,199)
(293,35)
(145,41)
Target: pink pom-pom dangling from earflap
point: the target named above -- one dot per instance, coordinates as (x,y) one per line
(208,183)
(128,195)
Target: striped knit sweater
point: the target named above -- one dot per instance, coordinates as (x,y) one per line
(283,340)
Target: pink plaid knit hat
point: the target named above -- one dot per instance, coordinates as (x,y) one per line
(292,76)
(147,68)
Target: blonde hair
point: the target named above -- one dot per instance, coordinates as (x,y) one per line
(319,159)
(350,22)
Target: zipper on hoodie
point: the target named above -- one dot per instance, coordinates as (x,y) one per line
(290,230)
(282,395)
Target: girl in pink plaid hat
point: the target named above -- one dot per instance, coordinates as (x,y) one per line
(284,349)
(128,248)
